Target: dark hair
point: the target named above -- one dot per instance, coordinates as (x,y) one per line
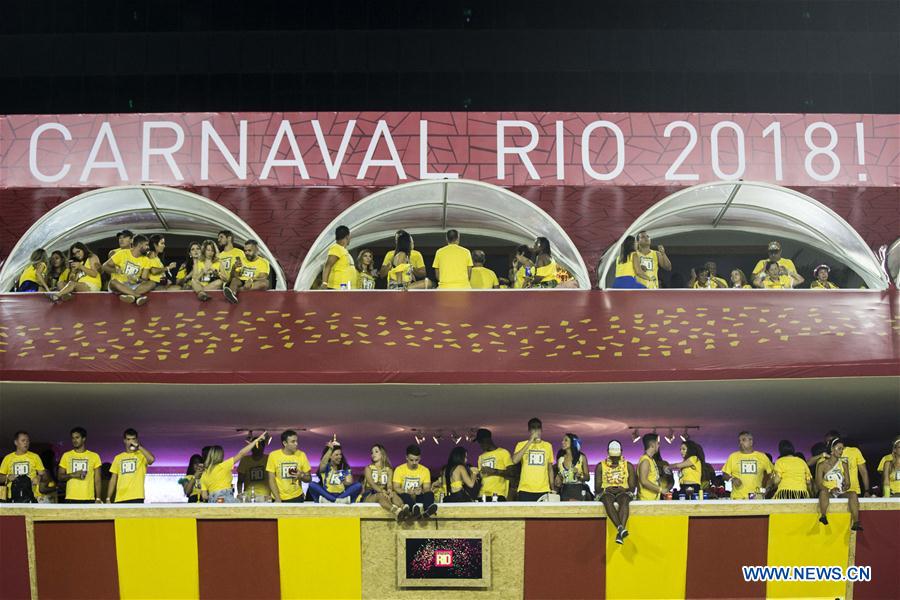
(155,239)
(18,433)
(744,433)
(833,433)
(702,269)
(414,450)
(341,232)
(544,245)
(80,246)
(124,233)
(192,463)
(80,431)
(343,466)
(251,242)
(403,244)
(452,235)
(129,431)
(286,434)
(524,250)
(694,449)
(575,445)
(770,263)
(833,443)
(457,458)
(62,265)
(534,423)
(226,233)
(627,248)
(478,256)
(189,261)
(786,448)
(139,239)
(649,438)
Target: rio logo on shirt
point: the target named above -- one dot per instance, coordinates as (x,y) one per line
(489,463)
(79,464)
(536,458)
(335,477)
(21,468)
(443,558)
(410,483)
(131,269)
(248,273)
(288,469)
(129,465)
(257,474)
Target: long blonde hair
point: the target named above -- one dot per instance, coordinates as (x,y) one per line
(215,456)
(385,460)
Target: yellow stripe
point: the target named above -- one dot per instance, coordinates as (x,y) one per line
(800,540)
(319,558)
(655,545)
(157,558)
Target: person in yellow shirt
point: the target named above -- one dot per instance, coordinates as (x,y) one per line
(80,468)
(250,273)
(482,277)
(821,279)
(186,269)
(747,469)
(191,480)
(833,481)
(546,272)
(287,469)
(649,485)
(34,277)
(336,482)
(739,280)
(774,256)
(625,275)
(777,277)
(252,480)
(691,477)
(206,271)
(459,477)
(416,260)
(365,264)
(22,462)
(378,486)
(215,483)
(890,471)
(412,482)
(339,272)
(536,457)
(129,469)
(158,272)
(56,266)
(856,463)
(647,262)
(128,269)
(791,474)
(82,274)
(230,257)
(453,264)
(572,470)
(614,483)
(402,274)
(494,466)
(522,272)
(124,241)
(702,278)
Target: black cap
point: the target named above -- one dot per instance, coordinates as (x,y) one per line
(482,434)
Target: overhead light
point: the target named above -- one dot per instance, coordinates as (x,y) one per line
(684,436)
(419,439)
(437,439)
(635,436)
(671,437)
(456,438)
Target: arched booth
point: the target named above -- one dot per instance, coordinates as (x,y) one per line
(731,223)
(485,215)
(94,217)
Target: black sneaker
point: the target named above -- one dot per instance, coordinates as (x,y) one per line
(417,511)
(624,533)
(620,539)
(230,295)
(856,527)
(403,514)
(430,511)
(823,520)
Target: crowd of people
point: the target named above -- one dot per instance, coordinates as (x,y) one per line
(139,266)
(531,472)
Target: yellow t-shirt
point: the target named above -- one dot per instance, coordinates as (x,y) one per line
(333,479)
(218,477)
(228,258)
(251,269)
(281,465)
(519,283)
(13,465)
(783,282)
(711,284)
(30,273)
(625,269)
(794,473)
(380,476)
(195,493)
(691,475)
(154,263)
(853,458)
(365,281)
(131,266)
(81,277)
(650,262)
(894,475)
(401,275)
(207,272)
(453,262)
(652,476)
(818,285)
(614,475)
(483,279)
(784,262)
(131,467)
(750,469)
(884,461)
(343,271)
(409,478)
(495,484)
(74,462)
(415,259)
(254,472)
(547,273)
(535,477)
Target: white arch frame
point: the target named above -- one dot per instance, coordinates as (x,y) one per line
(564,250)
(859,257)
(42,235)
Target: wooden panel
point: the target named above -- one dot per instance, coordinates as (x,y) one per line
(564,559)
(879,547)
(238,559)
(14,559)
(76,560)
(717,549)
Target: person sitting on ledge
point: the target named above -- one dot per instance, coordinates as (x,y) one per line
(230,257)
(33,278)
(415,259)
(129,269)
(821,279)
(453,264)
(81,275)
(339,272)
(777,277)
(378,484)
(158,272)
(206,269)
(186,269)
(337,485)
(412,481)
(833,481)
(615,481)
(249,274)
(215,483)
(124,241)
(890,471)
(482,277)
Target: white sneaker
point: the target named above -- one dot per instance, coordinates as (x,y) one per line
(323,500)
(344,500)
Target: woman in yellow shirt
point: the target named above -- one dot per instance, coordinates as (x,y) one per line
(691,477)
(891,473)
(377,485)
(625,277)
(777,277)
(791,474)
(833,481)
(191,480)
(56,269)
(365,264)
(82,275)
(186,269)
(402,275)
(739,280)
(460,479)
(821,279)
(33,278)
(205,276)
(545,275)
(572,470)
(217,475)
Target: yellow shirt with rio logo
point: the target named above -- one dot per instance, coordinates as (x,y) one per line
(500,460)
(409,479)
(77,462)
(650,262)
(750,469)
(14,465)
(130,468)
(130,266)
(253,471)
(251,269)
(535,477)
(282,465)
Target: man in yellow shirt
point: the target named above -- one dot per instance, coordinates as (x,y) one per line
(453,264)
(821,279)
(412,482)
(250,273)
(701,278)
(230,258)
(482,278)
(287,469)
(124,240)
(493,464)
(649,485)
(22,462)
(252,479)
(774,256)
(747,469)
(614,481)
(339,272)
(80,468)
(853,458)
(536,457)
(128,471)
(415,260)
(129,269)
(647,262)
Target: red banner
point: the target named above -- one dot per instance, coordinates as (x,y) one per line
(380,149)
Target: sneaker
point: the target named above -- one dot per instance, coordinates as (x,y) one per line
(403,514)
(417,511)
(823,520)
(53,298)
(230,295)
(203,296)
(619,539)
(624,533)
(430,511)
(323,500)
(141,300)
(344,500)
(127,298)
(856,527)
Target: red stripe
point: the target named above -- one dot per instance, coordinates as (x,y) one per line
(879,547)
(76,560)
(717,548)
(565,559)
(239,559)
(14,581)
